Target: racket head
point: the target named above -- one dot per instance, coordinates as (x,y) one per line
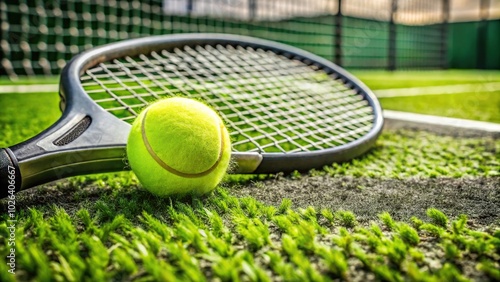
(287,114)
(124,61)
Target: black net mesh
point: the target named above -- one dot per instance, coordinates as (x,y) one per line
(39,36)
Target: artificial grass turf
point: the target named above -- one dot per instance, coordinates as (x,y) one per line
(483,106)
(105,227)
(24,115)
(377,79)
(127,234)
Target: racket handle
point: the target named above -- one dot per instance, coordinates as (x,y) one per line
(10,175)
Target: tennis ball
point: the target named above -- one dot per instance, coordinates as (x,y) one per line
(178,146)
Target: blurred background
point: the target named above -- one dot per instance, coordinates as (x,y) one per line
(38,37)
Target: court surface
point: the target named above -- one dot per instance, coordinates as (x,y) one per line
(421,205)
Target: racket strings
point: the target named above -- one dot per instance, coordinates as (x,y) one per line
(245,110)
(269,102)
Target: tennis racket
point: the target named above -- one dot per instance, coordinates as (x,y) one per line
(286,109)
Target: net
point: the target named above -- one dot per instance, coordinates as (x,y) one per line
(38,37)
(269,102)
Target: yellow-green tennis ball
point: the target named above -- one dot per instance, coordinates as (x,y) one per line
(179,146)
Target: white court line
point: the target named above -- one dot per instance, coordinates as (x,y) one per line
(438,90)
(33,88)
(451,123)
(383,93)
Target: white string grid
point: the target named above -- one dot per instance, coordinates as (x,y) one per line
(269,102)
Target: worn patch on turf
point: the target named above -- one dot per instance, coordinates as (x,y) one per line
(368,197)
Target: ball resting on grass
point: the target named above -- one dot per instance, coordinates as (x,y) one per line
(179,146)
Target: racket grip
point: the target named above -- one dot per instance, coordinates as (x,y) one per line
(10,175)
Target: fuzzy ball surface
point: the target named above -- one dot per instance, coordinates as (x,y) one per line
(179,146)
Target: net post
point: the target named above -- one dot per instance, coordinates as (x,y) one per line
(444,33)
(252,9)
(189,7)
(482,34)
(337,48)
(392,36)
